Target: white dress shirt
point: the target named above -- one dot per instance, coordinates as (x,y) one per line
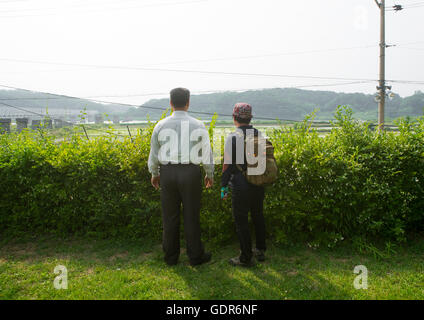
(180,138)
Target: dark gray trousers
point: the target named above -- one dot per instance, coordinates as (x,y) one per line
(181,184)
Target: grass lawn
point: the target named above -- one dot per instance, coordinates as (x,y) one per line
(131,270)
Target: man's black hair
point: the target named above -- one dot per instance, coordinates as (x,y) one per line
(242,120)
(180,97)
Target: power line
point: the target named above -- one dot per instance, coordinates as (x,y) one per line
(153,108)
(218,114)
(189,71)
(408,43)
(22,109)
(416,49)
(61,96)
(421,3)
(73,5)
(46,115)
(143,106)
(406,81)
(263,55)
(103,4)
(196,60)
(91,98)
(114,9)
(210,72)
(13,1)
(190,61)
(398,7)
(55,96)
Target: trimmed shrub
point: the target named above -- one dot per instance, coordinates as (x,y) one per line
(353,182)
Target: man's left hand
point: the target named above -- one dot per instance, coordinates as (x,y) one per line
(155,182)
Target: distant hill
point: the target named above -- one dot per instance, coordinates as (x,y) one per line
(55,104)
(278,103)
(292,104)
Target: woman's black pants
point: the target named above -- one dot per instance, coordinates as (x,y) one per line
(247,197)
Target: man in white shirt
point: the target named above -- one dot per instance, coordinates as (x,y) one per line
(180,143)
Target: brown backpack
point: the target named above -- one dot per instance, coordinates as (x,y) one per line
(271,172)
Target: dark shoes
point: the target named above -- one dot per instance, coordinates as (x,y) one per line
(207,256)
(236,262)
(259,254)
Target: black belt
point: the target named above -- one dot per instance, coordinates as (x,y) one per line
(179,164)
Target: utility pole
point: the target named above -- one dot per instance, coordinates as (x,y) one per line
(382,81)
(382,88)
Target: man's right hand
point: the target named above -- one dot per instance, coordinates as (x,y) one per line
(208,182)
(155,182)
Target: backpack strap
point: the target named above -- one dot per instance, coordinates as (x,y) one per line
(240,133)
(240,168)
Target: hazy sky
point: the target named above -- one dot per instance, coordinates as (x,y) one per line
(326,38)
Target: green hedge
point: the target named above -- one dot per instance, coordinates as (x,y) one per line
(352,182)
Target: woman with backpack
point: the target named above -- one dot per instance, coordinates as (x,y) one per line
(246,196)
